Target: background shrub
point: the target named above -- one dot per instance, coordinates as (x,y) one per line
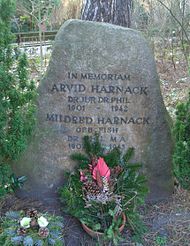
(181,157)
(17,94)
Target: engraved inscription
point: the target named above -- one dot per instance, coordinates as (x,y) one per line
(85,95)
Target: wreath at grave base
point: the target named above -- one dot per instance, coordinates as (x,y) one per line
(31,228)
(104,190)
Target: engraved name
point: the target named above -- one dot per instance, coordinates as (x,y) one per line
(109,89)
(99,120)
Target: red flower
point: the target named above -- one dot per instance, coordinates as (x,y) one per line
(101,170)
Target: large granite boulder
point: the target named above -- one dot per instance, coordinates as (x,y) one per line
(101,78)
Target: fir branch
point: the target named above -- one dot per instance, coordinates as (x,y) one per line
(128,155)
(81,159)
(113,157)
(96,146)
(87,145)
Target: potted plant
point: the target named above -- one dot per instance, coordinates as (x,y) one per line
(31,228)
(104,190)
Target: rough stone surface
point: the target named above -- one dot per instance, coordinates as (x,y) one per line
(100,78)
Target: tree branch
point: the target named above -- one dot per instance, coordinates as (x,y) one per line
(29,13)
(176,19)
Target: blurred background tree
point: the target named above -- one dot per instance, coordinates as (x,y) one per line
(34,13)
(39,14)
(117,12)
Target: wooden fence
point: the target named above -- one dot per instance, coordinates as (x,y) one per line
(25,37)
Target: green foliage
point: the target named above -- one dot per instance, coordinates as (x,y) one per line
(128,155)
(92,146)
(17,95)
(10,236)
(8,181)
(6,10)
(181,157)
(17,101)
(81,159)
(5,180)
(161,241)
(112,232)
(113,157)
(129,184)
(72,197)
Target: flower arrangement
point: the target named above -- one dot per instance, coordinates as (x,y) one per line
(104,189)
(32,228)
(99,182)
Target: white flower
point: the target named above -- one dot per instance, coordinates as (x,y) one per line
(42,222)
(25,222)
(6,186)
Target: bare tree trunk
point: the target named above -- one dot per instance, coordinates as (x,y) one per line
(117,12)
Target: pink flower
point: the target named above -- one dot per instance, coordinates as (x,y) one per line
(90,167)
(101,170)
(83,178)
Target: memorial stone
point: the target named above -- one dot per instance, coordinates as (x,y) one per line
(101,78)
